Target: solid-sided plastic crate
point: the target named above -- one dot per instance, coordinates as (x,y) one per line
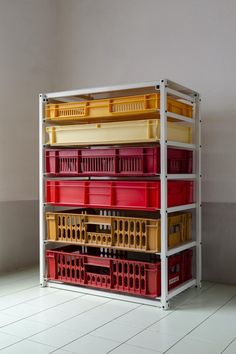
(138,195)
(127,161)
(136,131)
(113,109)
(180,268)
(118,232)
(113,272)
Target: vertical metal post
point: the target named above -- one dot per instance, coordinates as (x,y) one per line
(164,215)
(198,192)
(41,194)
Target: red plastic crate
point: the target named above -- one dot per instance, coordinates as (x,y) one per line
(187,265)
(129,276)
(175,267)
(70,265)
(129,161)
(180,268)
(117,194)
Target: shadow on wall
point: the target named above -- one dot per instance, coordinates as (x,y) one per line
(19,234)
(218,234)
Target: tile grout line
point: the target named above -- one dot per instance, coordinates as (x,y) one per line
(200,323)
(49,308)
(233,340)
(27,338)
(89,332)
(18,291)
(36,313)
(168,314)
(28,317)
(26,301)
(144,329)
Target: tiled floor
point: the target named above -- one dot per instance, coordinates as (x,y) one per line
(35,320)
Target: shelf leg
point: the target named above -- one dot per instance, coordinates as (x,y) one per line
(198,192)
(42,100)
(163,176)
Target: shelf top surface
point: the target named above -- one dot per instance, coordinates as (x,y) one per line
(119,90)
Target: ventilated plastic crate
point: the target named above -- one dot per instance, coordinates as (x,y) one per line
(127,161)
(118,232)
(117,194)
(114,109)
(141,131)
(112,272)
(69,265)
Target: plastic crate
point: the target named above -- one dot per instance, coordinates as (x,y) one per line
(180,268)
(186,265)
(118,232)
(141,131)
(109,272)
(133,195)
(127,161)
(114,109)
(69,265)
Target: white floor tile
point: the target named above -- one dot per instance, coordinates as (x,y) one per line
(50,316)
(231,349)
(91,345)
(181,322)
(220,333)
(51,300)
(6,319)
(116,331)
(193,346)
(95,299)
(27,347)
(75,307)
(55,337)
(21,311)
(142,317)
(111,310)
(159,341)
(82,324)
(24,328)
(130,349)
(6,339)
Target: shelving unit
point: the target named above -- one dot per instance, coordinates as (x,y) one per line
(167,89)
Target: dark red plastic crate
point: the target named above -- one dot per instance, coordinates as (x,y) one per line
(186,265)
(117,194)
(128,161)
(129,276)
(180,268)
(70,265)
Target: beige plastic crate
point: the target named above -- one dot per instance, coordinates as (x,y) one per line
(114,109)
(128,233)
(141,131)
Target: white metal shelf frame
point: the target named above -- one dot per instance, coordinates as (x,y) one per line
(165,87)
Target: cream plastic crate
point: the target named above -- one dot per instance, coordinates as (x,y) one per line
(113,109)
(118,232)
(141,131)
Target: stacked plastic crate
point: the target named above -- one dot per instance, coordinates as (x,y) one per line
(104,160)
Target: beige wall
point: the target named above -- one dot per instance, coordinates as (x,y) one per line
(27,34)
(192,42)
(27,56)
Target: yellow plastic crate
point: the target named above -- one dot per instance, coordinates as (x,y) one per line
(114,109)
(119,232)
(141,131)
